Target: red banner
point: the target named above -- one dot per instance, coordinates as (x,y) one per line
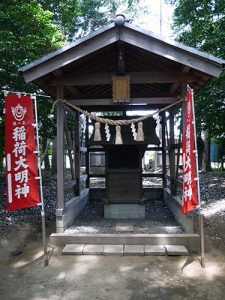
(21,162)
(190,198)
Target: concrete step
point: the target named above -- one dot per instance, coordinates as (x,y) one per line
(190,241)
(176,250)
(124,250)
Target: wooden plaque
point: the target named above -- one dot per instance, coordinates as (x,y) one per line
(121,89)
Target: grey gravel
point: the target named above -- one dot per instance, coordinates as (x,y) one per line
(31,215)
(212,193)
(158,219)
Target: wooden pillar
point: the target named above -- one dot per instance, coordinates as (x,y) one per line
(77,154)
(69,144)
(60,150)
(87,155)
(183,95)
(172,154)
(164,148)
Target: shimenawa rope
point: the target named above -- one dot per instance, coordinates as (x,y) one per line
(109,121)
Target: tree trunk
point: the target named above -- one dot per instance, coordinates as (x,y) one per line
(206,155)
(54,157)
(200,145)
(46,157)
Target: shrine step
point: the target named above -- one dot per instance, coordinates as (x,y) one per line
(124,250)
(190,241)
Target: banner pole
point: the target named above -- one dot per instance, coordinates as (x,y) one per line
(201,216)
(41,188)
(23,93)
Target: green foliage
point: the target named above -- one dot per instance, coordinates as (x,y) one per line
(30,29)
(26,33)
(221,151)
(76,18)
(200,24)
(210,108)
(95,13)
(65,14)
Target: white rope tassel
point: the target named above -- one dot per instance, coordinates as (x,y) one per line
(97,136)
(133,129)
(140,133)
(158,124)
(118,140)
(107,132)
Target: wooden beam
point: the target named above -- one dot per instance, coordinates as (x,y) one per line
(183,94)
(118,108)
(164,148)
(178,154)
(108,101)
(87,156)
(59,74)
(135,77)
(74,91)
(120,59)
(81,50)
(184,70)
(170,52)
(69,142)
(60,150)
(172,153)
(174,88)
(77,154)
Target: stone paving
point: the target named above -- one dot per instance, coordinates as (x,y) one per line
(124,250)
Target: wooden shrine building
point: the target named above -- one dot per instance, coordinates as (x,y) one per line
(120,68)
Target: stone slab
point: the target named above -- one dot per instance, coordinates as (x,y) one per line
(124,211)
(73,249)
(140,230)
(174,203)
(155,250)
(190,241)
(93,249)
(176,250)
(73,208)
(113,250)
(124,227)
(133,250)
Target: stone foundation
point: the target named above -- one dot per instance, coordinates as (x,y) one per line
(124,211)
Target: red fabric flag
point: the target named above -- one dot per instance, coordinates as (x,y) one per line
(21,162)
(189,198)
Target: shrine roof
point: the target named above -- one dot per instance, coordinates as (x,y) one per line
(156,65)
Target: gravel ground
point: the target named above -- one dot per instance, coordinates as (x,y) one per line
(158,219)
(23,275)
(212,194)
(28,215)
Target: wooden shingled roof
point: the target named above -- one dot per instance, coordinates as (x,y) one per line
(155,65)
